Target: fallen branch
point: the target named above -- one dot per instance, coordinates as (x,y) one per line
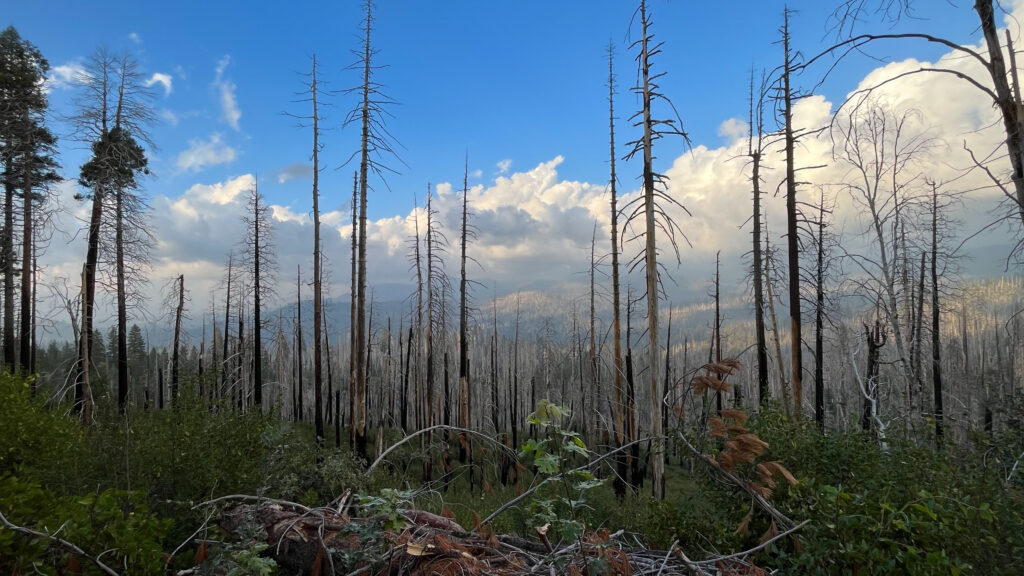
(764,544)
(392,448)
(58,541)
(779,517)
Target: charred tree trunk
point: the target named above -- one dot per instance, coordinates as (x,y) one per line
(177,339)
(795,325)
(318,417)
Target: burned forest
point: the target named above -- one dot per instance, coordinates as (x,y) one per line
(385,289)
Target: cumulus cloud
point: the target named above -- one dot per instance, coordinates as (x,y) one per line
(230,112)
(65,76)
(295,171)
(161,79)
(203,153)
(134,37)
(732,129)
(535,228)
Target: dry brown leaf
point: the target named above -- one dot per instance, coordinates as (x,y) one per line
(772,532)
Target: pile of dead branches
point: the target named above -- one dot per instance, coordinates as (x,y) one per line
(336,540)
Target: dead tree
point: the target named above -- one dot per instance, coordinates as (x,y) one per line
(792,240)
(755,148)
(318,417)
(179,311)
(876,336)
(654,186)
(880,146)
(617,367)
(259,257)
(375,143)
(465,413)
(1000,92)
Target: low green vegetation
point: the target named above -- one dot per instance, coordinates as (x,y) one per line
(129,488)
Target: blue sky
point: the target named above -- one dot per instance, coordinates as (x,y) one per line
(518,86)
(518,81)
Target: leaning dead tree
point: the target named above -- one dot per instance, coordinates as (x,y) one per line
(651,206)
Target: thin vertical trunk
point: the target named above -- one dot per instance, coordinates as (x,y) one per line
(429,412)
(819,322)
(353,297)
(465,415)
(716,333)
(514,399)
(227,317)
(318,417)
(8,265)
(617,368)
(595,383)
(763,391)
(257,323)
(359,417)
(651,264)
(936,343)
(783,384)
(177,340)
(298,335)
(35,347)
(795,325)
(27,326)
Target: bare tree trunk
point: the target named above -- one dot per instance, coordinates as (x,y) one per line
(429,412)
(298,336)
(359,417)
(783,384)
(227,317)
(318,417)
(617,367)
(27,328)
(177,340)
(651,263)
(8,266)
(796,341)
(465,415)
(595,382)
(936,342)
(353,297)
(716,331)
(763,391)
(122,304)
(819,322)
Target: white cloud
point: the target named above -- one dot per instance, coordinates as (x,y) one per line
(203,153)
(535,228)
(134,37)
(65,75)
(230,112)
(732,129)
(161,79)
(285,214)
(478,173)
